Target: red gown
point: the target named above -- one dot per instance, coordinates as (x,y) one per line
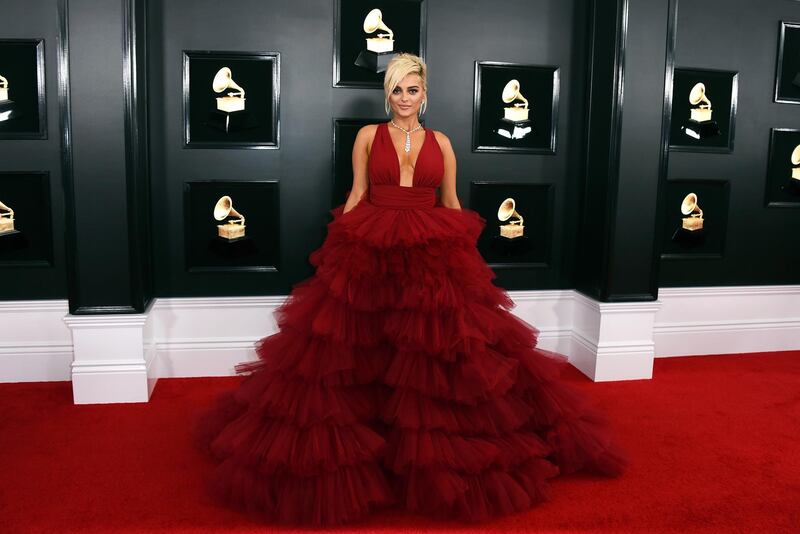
(399,376)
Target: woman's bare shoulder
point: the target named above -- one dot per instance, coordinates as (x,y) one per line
(365,136)
(367,130)
(441,138)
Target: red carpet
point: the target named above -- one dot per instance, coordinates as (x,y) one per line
(713,442)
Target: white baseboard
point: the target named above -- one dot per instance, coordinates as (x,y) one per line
(607,341)
(203,357)
(727,320)
(613,340)
(209,336)
(551,313)
(194,337)
(35,344)
(114,358)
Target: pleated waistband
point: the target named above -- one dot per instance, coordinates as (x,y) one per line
(397,196)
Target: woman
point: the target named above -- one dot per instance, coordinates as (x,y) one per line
(398,375)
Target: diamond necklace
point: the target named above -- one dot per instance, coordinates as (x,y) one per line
(407,146)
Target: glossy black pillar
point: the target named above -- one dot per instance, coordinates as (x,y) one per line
(105,160)
(625,148)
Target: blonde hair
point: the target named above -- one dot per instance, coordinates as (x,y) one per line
(398,68)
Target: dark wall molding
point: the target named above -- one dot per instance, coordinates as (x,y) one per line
(41,93)
(103,281)
(605,101)
(666,125)
(67,176)
(134,54)
(617,104)
(625,150)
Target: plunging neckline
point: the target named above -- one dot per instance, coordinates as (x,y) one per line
(397,157)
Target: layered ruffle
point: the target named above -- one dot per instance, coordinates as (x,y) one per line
(399,374)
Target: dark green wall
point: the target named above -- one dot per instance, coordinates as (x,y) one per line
(117,167)
(37,19)
(547,32)
(95,153)
(760,243)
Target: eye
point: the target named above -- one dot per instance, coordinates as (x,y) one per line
(413,91)
(396,91)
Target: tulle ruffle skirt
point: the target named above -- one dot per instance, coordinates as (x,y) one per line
(398,376)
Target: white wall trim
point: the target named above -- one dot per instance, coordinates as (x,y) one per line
(35,344)
(613,340)
(739,291)
(728,320)
(113,358)
(208,336)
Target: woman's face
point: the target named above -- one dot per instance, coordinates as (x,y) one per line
(407,97)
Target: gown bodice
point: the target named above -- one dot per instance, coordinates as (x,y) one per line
(383,170)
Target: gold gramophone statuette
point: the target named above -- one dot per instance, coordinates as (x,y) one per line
(694,219)
(6,219)
(383,42)
(517,111)
(234,227)
(697,97)
(234,100)
(796,162)
(3,88)
(514,228)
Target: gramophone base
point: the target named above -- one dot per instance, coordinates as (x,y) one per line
(689,238)
(692,224)
(12,240)
(792,187)
(511,231)
(8,110)
(513,129)
(374,61)
(231,122)
(230,232)
(10,231)
(230,104)
(700,130)
(233,248)
(511,247)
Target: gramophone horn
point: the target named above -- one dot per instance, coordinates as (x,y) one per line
(796,155)
(511,93)
(374,22)
(223,80)
(507,210)
(224,208)
(689,205)
(698,94)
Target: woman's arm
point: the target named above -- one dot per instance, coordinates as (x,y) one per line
(448,187)
(360,157)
